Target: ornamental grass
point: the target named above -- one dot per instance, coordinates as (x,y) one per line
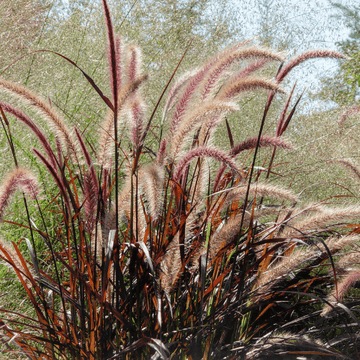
(165,244)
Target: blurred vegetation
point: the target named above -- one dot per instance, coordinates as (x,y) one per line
(21,26)
(343,88)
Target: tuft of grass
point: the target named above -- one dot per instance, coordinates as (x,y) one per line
(171,247)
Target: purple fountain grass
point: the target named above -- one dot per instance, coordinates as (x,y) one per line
(152,179)
(137,115)
(204,151)
(134,63)
(250,69)
(207,131)
(59,128)
(199,187)
(222,237)
(119,57)
(343,287)
(309,54)
(238,87)
(175,91)
(348,260)
(112,53)
(128,89)
(289,264)
(249,144)
(40,135)
(161,153)
(91,201)
(228,59)
(127,204)
(125,195)
(95,183)
(170,268)
(151,253)
(260,190)
(137,106)
(271,277)
(321,219)
(106,141)
(56,177)
(295,214)
(288,346)
(113,66)
(185,99)
(207,110)
(91,186)
(106,151)
(193,80)
(340,243)
(264,142)
(297,60)
(18,178)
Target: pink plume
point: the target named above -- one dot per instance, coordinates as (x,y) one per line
(310,54)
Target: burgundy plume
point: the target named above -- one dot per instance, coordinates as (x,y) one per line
(27,121)
(112,53)
(310,54)
(202,151)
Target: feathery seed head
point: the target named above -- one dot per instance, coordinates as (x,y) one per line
(18,178)
(251,68)
(171,265)
(152,180)
(324,217)
(264,142)
(59,128)
(271,277)
(27,121)
(227,59)
(235,88)
(186,98)
(118,56)
(224,236)
(175,91)
(342,289)
(201,151)
(106,140)
(133,63)
(137,114)
(310,54)
(161,153)
(194,119)
(260,190)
